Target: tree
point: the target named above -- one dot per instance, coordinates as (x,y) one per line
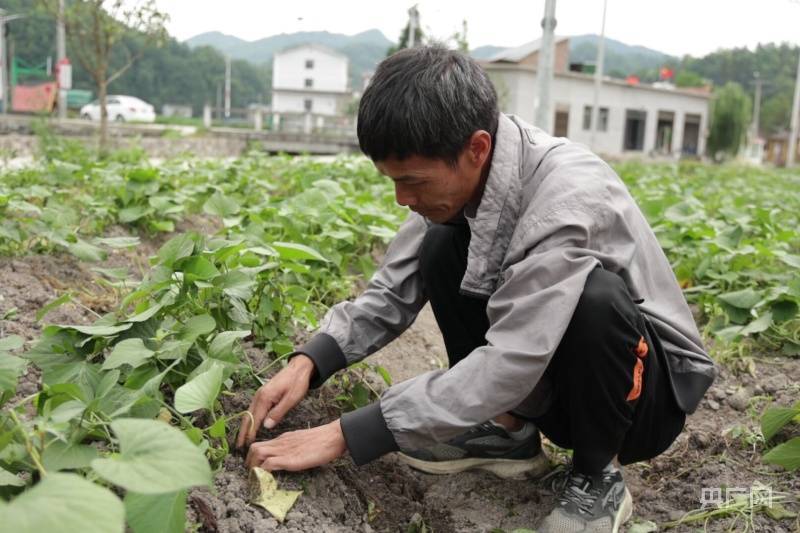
(461,38)
(404,35)
(97,29)
(687,78)
(730,118)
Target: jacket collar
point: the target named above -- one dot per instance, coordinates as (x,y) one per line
(491,225)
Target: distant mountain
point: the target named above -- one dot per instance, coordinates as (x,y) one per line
(620,59)
(365,49)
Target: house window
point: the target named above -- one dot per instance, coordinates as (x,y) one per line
(308,104)
(602,120)
(309,63)
(309,83)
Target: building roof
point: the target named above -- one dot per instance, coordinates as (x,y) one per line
(607,80)
(515,55)
(319,47)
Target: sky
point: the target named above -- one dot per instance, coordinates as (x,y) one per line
(676,27)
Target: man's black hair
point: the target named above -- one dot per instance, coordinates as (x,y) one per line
(425,101)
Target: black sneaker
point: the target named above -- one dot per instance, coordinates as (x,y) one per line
(487,446)
(596,504)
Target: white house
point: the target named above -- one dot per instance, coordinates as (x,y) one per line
(656,119)
(311,79)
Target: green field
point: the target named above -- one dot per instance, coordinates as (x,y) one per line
(254,251)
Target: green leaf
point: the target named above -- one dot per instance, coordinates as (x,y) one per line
(176,248)
(12,342)
(87,252)
(99,331)
(384,374)
(64,502)
(789,259)
(744,299)
(360,395)
(786,455)
(236,283)
(222,345)
(58,302)
(61,456)
(154,458)
(10,369)
(131,352)
(133,213)
(784,310)
(118,273)
(7,479)
(200,392)
(198,268)
(775,418)
(156,513)
(217,430)
(762,323)
(729,334)
(295,251)
(118,242)
(147,314)
(174,349)
(220,205)
(197,326)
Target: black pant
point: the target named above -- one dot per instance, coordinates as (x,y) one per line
(593,407)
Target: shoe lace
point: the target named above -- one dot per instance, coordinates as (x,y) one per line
(576,488)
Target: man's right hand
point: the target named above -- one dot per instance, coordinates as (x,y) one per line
(276,397)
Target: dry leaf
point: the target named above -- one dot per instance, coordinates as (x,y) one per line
(264,491)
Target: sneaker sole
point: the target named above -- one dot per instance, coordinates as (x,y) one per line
(503,468)
(625,511)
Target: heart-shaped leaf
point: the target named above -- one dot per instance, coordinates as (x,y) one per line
(154,458)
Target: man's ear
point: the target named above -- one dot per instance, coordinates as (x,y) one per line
(479,147)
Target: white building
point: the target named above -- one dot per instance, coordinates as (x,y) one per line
(310,79)
(656,119)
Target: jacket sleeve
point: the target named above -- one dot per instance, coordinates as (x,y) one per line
(528,315)
(352,330)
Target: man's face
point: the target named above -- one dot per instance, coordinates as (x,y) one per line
(433,188)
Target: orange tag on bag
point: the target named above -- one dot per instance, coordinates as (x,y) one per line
(638,370)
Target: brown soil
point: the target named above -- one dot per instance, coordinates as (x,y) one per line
(713,450)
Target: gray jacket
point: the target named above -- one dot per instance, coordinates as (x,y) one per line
(551,212)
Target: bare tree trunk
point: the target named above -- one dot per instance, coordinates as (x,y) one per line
(102,90)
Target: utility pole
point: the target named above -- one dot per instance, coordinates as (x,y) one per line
(795,122)
(3,60)
(5,95)
(61,53)
(227,86)
(544,115)
(413,24)
(598,79)
(756,107)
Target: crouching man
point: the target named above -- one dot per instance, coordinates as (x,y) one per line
(558,308)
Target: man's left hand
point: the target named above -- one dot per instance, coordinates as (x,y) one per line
(299,450)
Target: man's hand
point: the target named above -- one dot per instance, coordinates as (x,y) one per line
(276,397)
(299,450)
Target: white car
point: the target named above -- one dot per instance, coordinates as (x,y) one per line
(121,109)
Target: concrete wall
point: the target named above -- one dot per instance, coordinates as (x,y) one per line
(329,72)
(294,102)
(517,89)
